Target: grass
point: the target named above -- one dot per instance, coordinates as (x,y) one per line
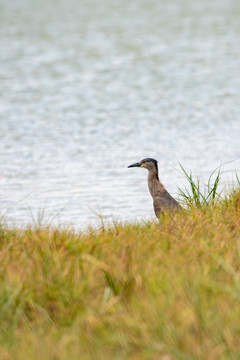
(167,290)
(198,197)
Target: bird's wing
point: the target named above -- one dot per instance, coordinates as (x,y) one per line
(163,202)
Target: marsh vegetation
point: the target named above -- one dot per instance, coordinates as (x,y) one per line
(150,290)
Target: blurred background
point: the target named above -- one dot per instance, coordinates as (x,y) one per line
(91,86)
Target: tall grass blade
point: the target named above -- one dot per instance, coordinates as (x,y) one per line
(198,196)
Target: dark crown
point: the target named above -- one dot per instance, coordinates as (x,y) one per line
(151,160)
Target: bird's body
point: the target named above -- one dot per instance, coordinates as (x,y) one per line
(162,200)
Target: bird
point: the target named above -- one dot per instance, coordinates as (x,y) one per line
(162,200)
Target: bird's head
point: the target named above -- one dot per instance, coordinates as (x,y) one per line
(148,163)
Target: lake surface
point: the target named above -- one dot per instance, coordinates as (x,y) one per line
(89,87)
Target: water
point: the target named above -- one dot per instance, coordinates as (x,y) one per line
(89,87)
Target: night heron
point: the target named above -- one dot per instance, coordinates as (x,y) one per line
(162,200)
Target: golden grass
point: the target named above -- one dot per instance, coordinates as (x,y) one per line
(167,290)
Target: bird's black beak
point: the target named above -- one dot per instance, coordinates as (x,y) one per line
(135,165)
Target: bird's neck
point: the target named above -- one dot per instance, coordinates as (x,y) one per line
(154,184)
